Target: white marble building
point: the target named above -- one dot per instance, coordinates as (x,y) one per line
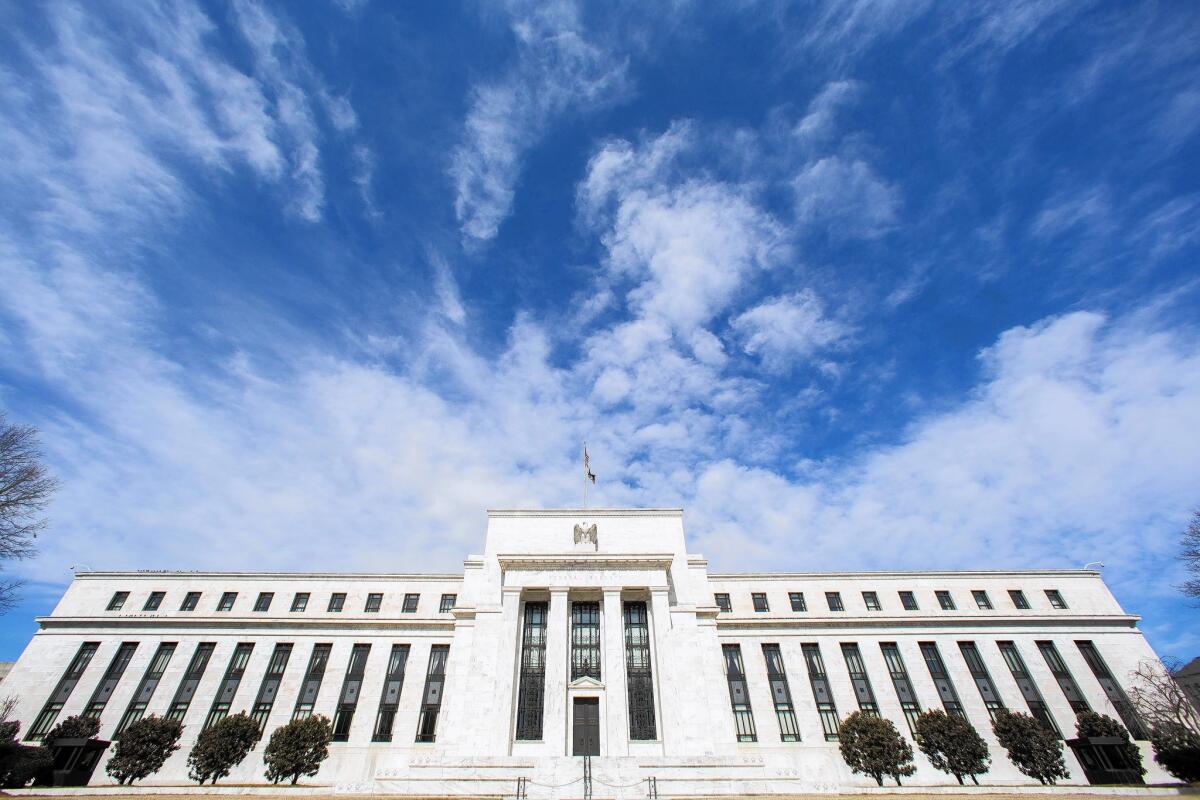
(563,639)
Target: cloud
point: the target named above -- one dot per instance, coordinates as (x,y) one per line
(846,198)
(819,119)
(447,290)
(784,330)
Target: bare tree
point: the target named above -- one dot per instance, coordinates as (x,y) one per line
(25,489)
(1159,700)
(1190,556)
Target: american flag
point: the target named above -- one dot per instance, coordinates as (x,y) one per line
(587,467)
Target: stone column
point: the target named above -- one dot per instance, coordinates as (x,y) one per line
(669,680)
(506,648)
(616,709)
(554,721)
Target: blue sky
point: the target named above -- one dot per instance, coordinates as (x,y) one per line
(860,285)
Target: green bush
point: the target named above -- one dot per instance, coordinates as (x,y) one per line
(73,728)
(1034,750)
(1089,724)
(222,747)
(19,764)
(298,748)
(871,745)
(952,745)
(143,748)
(1177,750)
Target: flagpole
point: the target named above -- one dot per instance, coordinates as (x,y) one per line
(585,475)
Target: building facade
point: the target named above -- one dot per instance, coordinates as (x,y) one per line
(582,632)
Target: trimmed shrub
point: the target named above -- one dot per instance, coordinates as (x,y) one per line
(1034,750)
(19,764)
(1089,724)
(143,748)
(1177,750)
(952,745)
(298,748)
(222,747)
(73,728)
(871,745)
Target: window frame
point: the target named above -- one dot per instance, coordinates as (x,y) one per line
(117,601)
(337,603)
(447,602)
(262,603)
(871,600)
(834,599)
(227,601)
(1019,600)
(191,600)
(945,600)
(1057,601)
(722,602)
(982,601)
(797,601)
(300,602)
(374,603)
(908,601)
(411,601)
(761,604)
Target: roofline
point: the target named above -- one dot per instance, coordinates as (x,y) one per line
(183,573)
(584,512)
(939,573)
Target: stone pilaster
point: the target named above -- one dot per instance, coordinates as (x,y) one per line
(554,724)
(616,728)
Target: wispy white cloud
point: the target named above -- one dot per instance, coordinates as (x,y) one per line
(845,197)
(783,331)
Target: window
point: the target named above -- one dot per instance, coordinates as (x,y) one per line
(945,600)
(797,601)
(1029,690)
(351,685)
(447,603)
(585,640)
(785,714)
(227,600)
(313,676)
(1066,681)
(191,679)
(229,684)
(941,679)
(393,682)
(410,603)
(300,601)
(981,599)
(375,602)
(532,687)
(108,683)
(145,689)
(859,679)
(722,601)
(983,681)
(154,601)
(1116,695)
(834,599)
(1018,599)
(1056,599)
(638,675)
(903,686)
(431,701)
(337,601)
(66,684)
(760,602)
(117,601)
(909,601)
(263,603)
(269,689)
(871,601)
(821,693)
(190,601)
(739,697)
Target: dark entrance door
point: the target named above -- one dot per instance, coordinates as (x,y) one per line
(587,726)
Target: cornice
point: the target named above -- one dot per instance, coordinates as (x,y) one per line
(941,573)
(915,623)
(584,560)
(235,624)
(158,574)
(572,513)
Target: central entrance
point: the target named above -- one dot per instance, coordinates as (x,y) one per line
(587,726)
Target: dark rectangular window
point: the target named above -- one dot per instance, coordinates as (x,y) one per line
(227,600)
(431,700)
(447,603)
(981,599)
(760,602)
(739,696)
(909,601)
(229,684)
(639,678)
(410,603)
(797,601)
(1116,695)
(146,688)
(858,678)
(337,601)
(945,600)
(941,679)
(263,603)
(822,694)
(300,601)
(269,689)
(1056,599)
(983,681)
(154,601)
(781,693)
(66,684)
(393,682)
(110,679)
(1066,681)
(871,601)
(351,686)
(834,600)
(311,685)
(1018,599)
(904,690)
(585,640)
(722,600)
(190,601)
(117,601)
(532,686)
(375,602)
(1029,690)
(191,680)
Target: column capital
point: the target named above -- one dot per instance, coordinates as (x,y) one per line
(609,590)
(559,590)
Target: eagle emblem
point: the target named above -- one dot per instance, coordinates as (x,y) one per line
(586,534)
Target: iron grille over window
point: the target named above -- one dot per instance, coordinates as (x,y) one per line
(1018,599)
(904,690)
(313,676)
(300,601)
(263,603)
(834,600)
(1066,681)
(118,600)
(431,701)
(941,679)
(145,689)
(983,681)
(532,687)
(393,682)
(785,713)
(760,602)
(797,601)
(229,684)
(351,686)
(154,601)
(1029,690)
(375,602)
(66,684)
(722,600)
(108,683)
(1116,695)
(638,674)
(410,603)
(1056,599)
(447,603)
(821,693)
(739,698)
(909,601)
(858,678)
(227,601)
(191,680)
(981,599)
(337,601)
(871,601)
(270,685)
(190,601)
(945,600)
(585,640)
